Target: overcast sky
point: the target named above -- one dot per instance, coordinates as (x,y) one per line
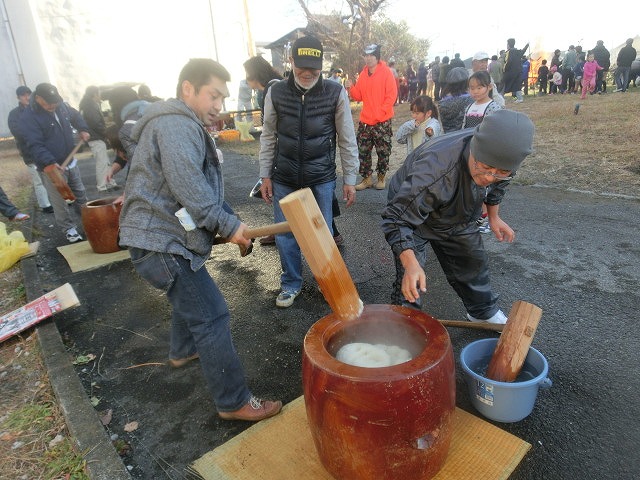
(556,27)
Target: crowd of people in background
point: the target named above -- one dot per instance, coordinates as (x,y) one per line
(447,95)
(518,72)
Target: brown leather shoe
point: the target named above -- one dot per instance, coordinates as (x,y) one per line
(181,362)
(254,410)
(268,240)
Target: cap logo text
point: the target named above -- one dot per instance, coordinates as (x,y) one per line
(309,52)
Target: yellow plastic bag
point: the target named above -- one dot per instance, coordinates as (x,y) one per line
(244,127)
(12,247)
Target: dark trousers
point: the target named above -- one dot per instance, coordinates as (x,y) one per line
(464,261)
(542,85)
(568,80)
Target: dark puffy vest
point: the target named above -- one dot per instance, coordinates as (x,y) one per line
(306,133)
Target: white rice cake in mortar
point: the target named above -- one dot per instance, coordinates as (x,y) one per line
(372,356)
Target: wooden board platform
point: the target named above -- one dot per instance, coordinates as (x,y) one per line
(281,448)
(81,257)
(33,250)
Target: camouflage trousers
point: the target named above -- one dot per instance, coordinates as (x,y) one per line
(378,136)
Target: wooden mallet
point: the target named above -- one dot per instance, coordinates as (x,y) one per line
(54,172)
(513,346)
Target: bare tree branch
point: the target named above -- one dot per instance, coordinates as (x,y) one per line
(347,35)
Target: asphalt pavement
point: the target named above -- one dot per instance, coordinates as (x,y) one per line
(576,256)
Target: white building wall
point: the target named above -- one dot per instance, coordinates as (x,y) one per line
(77,43)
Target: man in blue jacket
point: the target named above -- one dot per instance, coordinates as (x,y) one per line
(24,94)
(47,128)
(436,197)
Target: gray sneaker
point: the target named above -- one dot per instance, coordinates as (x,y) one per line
(73,236)
(286,297)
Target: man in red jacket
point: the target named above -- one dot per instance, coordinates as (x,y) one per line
(376,89)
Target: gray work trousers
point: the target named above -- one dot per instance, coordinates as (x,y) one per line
(63,211)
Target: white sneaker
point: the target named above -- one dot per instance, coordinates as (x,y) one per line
(73,236)
(499,317)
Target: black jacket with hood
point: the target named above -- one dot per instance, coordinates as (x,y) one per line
(434,194)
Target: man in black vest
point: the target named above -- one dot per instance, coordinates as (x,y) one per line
(303,115)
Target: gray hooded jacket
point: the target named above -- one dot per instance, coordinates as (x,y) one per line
(175,165)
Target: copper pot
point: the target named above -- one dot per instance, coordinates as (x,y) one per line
(101,222)
(383,423)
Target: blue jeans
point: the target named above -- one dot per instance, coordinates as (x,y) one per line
(199,323)
(290,255)
(622,78)
(7,208)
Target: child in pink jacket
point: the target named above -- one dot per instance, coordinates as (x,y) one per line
(589,75)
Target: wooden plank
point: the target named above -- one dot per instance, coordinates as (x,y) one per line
(281,448)
(34,312)
(33,250)
(319,249)
(513,345)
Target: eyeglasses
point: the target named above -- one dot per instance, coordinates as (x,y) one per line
(484,169)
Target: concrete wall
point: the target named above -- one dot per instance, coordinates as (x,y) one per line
(77,43)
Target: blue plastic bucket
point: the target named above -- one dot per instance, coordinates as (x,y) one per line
(503,401)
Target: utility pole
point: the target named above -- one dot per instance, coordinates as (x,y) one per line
(251,47)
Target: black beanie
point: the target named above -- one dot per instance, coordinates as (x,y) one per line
(503,139)
(373,49)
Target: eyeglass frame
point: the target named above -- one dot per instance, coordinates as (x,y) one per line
(502,178)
